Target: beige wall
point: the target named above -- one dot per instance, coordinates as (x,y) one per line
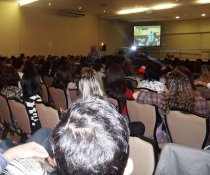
(9,29)
(185,39)
(35,31)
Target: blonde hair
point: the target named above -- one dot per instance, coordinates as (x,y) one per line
(90,84)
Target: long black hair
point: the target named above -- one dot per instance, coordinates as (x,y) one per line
(30,82)
(115,84)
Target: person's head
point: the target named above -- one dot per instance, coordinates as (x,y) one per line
(115,84)
(91,138)
(62,77)
(152,72)
(187,72)
(9,77)
(31,84)
(180,91)
(90,84)
(17,63)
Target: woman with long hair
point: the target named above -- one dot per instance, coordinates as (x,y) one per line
(32,93)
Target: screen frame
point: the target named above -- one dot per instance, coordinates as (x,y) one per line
(148,26)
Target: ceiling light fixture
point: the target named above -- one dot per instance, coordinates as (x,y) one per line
(203,14)
(203,1)
(163,6)
(177,17)
(24,2)
(132,10)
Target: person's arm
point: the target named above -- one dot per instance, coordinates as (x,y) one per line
(3,163)
(136,94)
(27,150)
(202,83)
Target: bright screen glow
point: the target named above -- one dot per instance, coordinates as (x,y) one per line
(147,36)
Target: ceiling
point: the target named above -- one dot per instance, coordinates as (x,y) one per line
(187,9)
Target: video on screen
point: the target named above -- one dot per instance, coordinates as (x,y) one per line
(147,36)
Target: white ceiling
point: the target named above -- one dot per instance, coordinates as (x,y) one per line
(187,9)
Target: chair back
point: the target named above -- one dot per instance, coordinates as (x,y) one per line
(59,98)
(48,80)
(4,111)
(144,113)
(48,116)
(113,101)
(45,94)
(74,95)
(187,129)
(18,110)
(143,155)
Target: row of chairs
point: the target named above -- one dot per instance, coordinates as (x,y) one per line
(58,97)
(184,128)
(14,116)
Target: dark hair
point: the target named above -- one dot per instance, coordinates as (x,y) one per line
(115,84)
(152,72)
(17,63)
(31,84)
(187,72)
(62,77)
(9,77)
(91,138)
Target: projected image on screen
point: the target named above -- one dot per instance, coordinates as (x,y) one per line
(147,36)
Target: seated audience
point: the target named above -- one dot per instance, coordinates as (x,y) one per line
(152,79)
(9,83)
(180,95)
(115,86)
(91,138)
(32,93)
(63,80)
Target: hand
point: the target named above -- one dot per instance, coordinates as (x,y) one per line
(136,94)
(201,83)
(27,150)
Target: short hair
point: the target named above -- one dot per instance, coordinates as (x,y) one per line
(9,77)
(152,72)
(91,138)
(90,84)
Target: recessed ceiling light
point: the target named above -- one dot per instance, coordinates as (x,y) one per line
(24,2)
(80,8)
(163,6)
(104,11)
(132,10)
(49,4)
(177,17)
(203,1)
(203,14)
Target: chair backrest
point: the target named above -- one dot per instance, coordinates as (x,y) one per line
(59,98)
(4,110)
(48,80)
(113,101)
(74,95)
(144,113)
(143,155)
(18,110)
(187,129)
(48,116)
(45,93)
